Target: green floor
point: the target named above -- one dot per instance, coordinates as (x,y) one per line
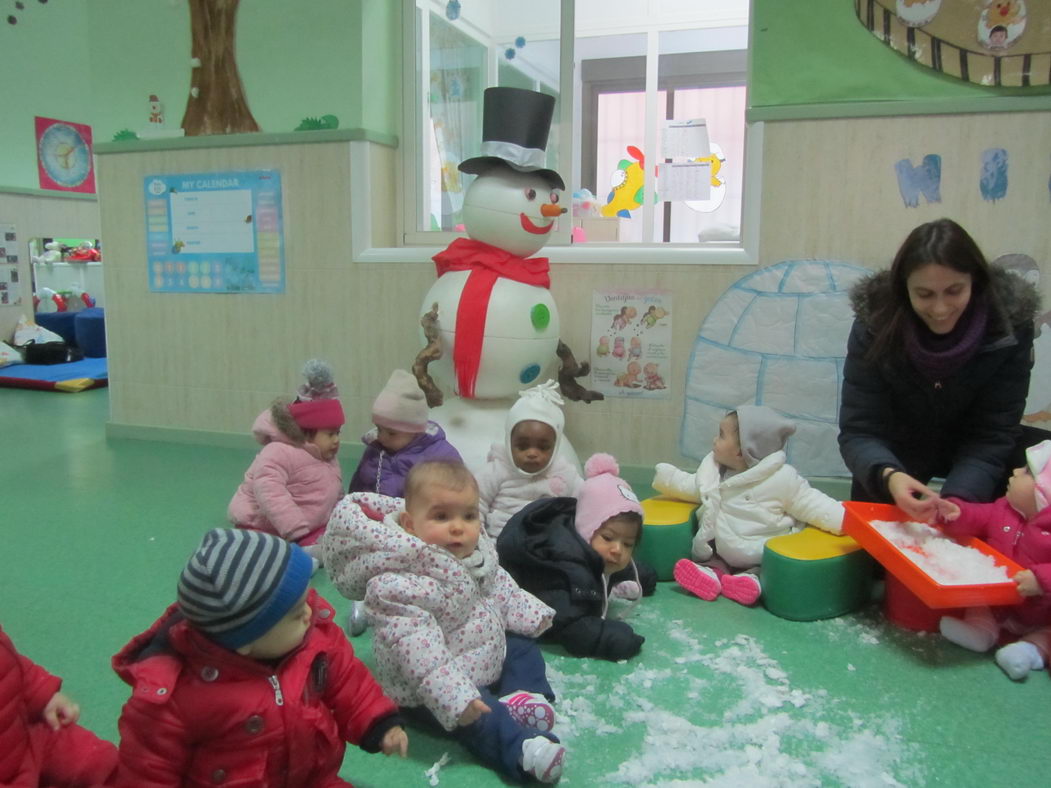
(97,531)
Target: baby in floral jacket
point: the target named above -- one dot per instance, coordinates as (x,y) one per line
(453,632)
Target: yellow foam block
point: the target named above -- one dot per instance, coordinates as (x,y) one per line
(666,511)
(812,544)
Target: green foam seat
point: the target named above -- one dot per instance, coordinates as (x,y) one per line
(813,574)
(668,527)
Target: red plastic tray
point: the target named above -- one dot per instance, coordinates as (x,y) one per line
(858,524)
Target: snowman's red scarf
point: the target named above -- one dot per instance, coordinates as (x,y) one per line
(487,264)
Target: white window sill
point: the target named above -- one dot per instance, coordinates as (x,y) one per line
(589,254)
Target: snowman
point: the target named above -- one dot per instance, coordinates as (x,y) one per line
(490,318)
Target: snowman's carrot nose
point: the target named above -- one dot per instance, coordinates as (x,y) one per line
(550,209)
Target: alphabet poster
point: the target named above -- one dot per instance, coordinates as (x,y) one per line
(631,342)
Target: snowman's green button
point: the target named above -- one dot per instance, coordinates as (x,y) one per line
(540,315)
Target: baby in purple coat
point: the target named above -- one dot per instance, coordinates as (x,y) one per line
(402,437)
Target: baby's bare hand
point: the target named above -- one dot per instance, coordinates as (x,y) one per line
(396,740)
(475,709)
(1027,583)
(60,711)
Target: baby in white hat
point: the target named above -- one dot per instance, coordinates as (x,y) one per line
(527,465)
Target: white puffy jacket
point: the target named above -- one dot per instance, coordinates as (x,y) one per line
(743,511)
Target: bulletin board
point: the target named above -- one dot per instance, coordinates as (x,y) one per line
(215,232)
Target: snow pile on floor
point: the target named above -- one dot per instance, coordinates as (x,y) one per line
(945,561)
(768,734)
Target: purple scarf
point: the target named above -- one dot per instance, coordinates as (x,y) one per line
(939,356)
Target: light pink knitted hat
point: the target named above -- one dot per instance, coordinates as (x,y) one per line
(401,405)
(603,495)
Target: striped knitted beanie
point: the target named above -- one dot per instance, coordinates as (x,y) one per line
(239,584)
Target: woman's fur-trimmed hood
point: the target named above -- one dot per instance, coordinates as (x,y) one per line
(1018,298)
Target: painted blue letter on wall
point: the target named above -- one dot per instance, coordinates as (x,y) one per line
(926,179)
(993,182)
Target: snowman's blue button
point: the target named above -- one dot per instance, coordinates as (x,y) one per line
(530,373)
(541,316)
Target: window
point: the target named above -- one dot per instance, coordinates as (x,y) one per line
(637,68)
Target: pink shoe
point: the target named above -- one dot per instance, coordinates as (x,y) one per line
(743,588)
(698,580)
(530,710)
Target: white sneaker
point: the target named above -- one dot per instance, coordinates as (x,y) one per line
(530,710)
(543,759)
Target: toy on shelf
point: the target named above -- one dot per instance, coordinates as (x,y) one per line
(52,253)
(490,310)
(48,300)
(84,252)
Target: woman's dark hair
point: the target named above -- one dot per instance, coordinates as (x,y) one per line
(943,242)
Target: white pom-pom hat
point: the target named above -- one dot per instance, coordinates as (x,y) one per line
(603,495)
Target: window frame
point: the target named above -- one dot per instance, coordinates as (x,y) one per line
(421,246)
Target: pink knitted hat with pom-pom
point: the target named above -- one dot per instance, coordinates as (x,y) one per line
(604,495)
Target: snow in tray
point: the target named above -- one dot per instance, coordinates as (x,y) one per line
(945,561)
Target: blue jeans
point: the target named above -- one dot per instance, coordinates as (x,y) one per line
(495,738)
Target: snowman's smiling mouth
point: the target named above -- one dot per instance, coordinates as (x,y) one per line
(536,229)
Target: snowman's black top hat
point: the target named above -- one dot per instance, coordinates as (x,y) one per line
(515,125)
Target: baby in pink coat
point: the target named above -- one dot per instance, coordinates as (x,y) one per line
(1019,526)
(295,481)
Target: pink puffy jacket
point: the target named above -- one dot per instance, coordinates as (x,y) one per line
(288,490)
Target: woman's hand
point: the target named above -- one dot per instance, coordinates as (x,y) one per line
(917,500)
(475,709)
(1027,583)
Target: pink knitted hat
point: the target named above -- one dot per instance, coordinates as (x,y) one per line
(317,406)
(401,405)
(317,414)
(1038,458)
(604,495)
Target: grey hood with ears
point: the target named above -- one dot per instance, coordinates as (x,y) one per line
(762,431)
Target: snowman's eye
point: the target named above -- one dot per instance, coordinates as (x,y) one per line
(530,194)
(554,197)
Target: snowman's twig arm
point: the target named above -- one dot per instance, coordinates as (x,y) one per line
(570,370)
(432,352)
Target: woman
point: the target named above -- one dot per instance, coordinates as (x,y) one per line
(937,374)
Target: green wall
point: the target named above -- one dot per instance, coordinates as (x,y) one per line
(45,72)
(817,52)
(99,62)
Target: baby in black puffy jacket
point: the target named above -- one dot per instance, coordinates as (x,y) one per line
(576,556)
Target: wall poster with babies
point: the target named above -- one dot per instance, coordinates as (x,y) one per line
(631,342)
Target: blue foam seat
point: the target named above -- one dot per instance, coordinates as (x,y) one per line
(62,323)
(90,328)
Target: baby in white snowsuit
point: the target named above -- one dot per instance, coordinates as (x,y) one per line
(527,466)
(748,494)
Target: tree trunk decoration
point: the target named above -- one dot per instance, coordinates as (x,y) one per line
(216,104)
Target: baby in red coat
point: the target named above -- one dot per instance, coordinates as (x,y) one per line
(246,680)
(40,741)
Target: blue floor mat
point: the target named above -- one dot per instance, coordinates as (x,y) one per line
(73,376)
